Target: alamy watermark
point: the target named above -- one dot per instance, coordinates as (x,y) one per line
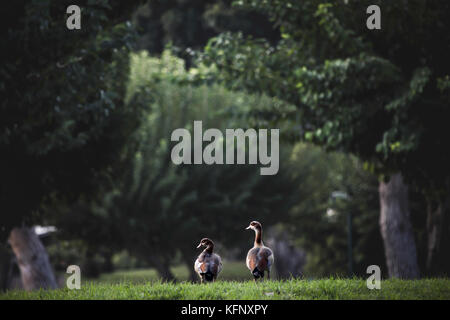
(374,281)
(73,281)
(74,20)
(374,20)
(234,142)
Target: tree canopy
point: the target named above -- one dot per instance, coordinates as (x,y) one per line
(64,124)
(394,118)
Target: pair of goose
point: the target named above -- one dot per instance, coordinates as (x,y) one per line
(259,258)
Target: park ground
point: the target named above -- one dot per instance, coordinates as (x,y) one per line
(235,283)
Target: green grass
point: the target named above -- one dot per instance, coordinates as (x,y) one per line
(235,271)
(287,289)
(234,283)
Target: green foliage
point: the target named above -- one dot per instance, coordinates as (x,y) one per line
(323,289)
(63,124)
(180,204)
(187,25)
(63,253)
(323,236)
(158,205)
(164,209)
(123,260)
(377,94)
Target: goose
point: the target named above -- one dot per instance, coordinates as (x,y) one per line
(208,264)
(259,258)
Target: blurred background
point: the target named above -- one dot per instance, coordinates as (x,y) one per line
(86,118)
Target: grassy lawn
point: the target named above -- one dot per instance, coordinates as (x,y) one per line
(289,289)
(144,284)
(235,271)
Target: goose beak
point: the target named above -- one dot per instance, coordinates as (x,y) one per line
(248,227)
(199,245)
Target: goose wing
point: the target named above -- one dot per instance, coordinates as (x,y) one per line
(252,258)
(215,264)
(261,258)
(211,263)
(266,259)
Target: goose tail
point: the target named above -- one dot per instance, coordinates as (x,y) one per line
(257,273)
(209,276)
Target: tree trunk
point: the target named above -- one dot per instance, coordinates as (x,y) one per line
(189,261)
(5,260)
(32,258)
(436,222)
(289,260)
(396,229)
(163,269)
(90,267)
(108,266)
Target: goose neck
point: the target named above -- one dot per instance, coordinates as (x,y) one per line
(258,237)
(209,249)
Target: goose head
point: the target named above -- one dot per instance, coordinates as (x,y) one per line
(254,225)
(205,243)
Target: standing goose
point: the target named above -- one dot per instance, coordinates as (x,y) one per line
(259,258)
(208,264)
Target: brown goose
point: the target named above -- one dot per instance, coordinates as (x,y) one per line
(259,258)
(208,264)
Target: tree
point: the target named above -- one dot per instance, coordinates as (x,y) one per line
(159,211)
(318,224)
(188,25)
(381,95)
(64,126)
